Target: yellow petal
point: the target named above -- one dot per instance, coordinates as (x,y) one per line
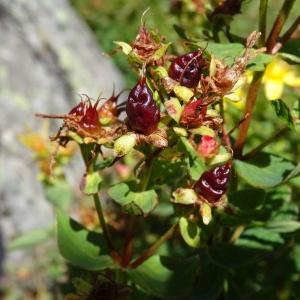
(273,89)
(291,79)
(276,70)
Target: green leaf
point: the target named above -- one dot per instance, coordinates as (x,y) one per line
(59,193)
(106,163)
(290,58)
(259,62)
(82,248)
(210,281)
(137,203)
(265,170)
(293,174)
(166,277)
(226,52)
(283,226)
(195,163)
(260,238)
(81,286)
(31,239)
(190,232)
(247,199)
(181,32)
(231,256)
(166,172)
(283,112)
(90,183)
(126,48)
(159,53)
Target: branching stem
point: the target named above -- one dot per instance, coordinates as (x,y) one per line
(150,251)
(278,25)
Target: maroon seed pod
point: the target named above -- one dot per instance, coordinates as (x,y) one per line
(90,120)
(142,111)
(212,184)
(78,110)
(186,69)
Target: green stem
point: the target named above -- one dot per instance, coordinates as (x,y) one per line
(102,221)
(265,143)
(263,8)
(150,251)
(278,25)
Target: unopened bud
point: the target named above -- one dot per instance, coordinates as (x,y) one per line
(125,144)
(205,211)
(208,146)
(183,93)
(157,139)
(184,196)
(180,131)
(174,108)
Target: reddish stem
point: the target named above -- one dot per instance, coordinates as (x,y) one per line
(278,25)
(150,251)
(287,35)
(250,104)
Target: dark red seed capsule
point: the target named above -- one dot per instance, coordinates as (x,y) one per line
(90,120)
(212,184)
(186,69)
(78,110)
(142,111)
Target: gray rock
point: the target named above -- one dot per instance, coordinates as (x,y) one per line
(47,57)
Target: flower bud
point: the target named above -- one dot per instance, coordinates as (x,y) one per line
(208,147)
(205,211)
(125,144)
(173,108)
(184,196)
(180,131)
(183,93)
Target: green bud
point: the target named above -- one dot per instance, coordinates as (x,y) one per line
(174,108)
(212,67)
(126,48)
(183,93)
(220,159)
(205,211)
(203,130)
(180,131)
(125,144)
(184,196)
(160,71)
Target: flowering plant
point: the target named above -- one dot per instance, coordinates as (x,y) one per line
(182,163)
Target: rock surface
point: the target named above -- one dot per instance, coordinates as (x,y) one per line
(47,57)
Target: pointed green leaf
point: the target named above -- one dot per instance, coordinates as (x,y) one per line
(231,256)
(247,199)
(283,226)
(90,183)
(265,170)
(31,238)
(82,248)
(166,277)
(260,238)
(195,163)
(283,112)
(190,232)
(59,193)
(137,203)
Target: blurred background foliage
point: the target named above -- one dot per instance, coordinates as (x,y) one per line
(120,19)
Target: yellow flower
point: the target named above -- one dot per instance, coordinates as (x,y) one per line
(238,95)
(277,74)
